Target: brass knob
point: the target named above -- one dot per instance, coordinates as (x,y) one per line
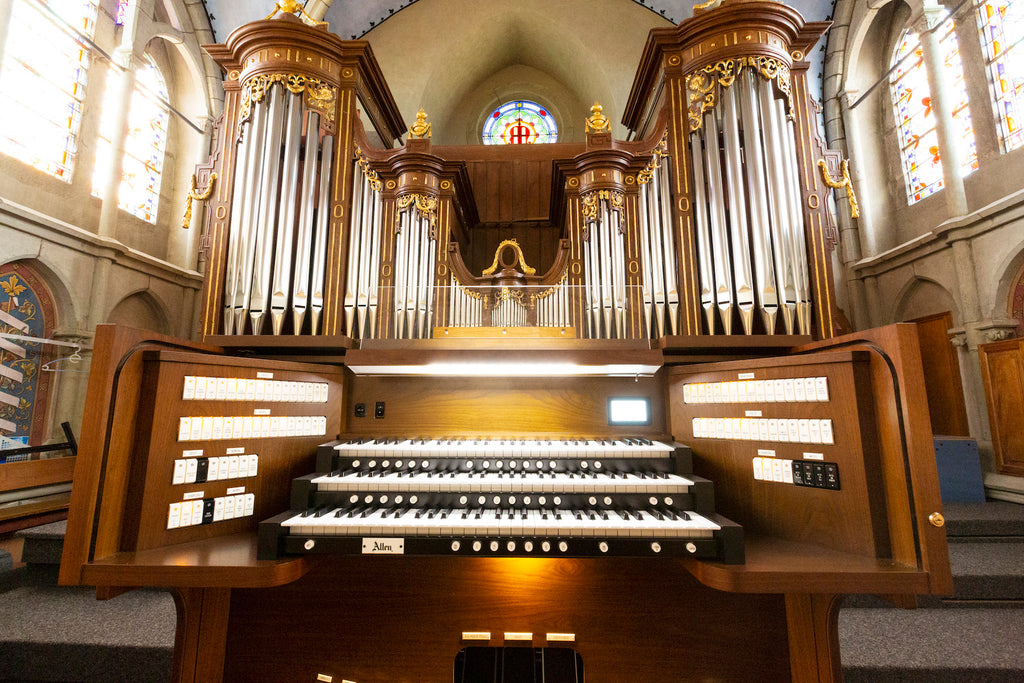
(937,519)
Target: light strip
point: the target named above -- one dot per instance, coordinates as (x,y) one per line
(509,369)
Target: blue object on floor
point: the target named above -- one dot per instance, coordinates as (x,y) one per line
(959,467)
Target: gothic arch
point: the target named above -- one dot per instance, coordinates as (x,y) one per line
(143,310)
(923,296)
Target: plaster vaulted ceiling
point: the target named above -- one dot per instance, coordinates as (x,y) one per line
(458,59)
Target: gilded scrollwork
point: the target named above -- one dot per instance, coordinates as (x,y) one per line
(371,175)
(704,85)
(316,94)
(591,201)
(513,244)
(657,154)
(424,204)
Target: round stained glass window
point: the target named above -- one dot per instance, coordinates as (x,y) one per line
(520,123)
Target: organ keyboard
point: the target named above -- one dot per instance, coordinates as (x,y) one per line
(580,497)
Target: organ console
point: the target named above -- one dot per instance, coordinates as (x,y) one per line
(392,457)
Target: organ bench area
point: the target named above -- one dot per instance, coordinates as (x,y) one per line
(401,452)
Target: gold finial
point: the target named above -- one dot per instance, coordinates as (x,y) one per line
(293,7)
(597,122)
(420,128)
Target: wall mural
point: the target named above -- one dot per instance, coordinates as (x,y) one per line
(25,296)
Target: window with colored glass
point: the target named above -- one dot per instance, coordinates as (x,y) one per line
(521,122)
(43,73)
(144,145)
(1002,30)
(915,119)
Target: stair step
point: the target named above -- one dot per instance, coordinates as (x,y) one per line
(43,544)
(987,571)
(979,644)
(991,519)
(128,638)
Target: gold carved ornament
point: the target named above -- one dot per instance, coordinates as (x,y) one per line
(293,7)
(186,220)
(703,85)
(657,154)
(597,122)
(420,128)
(371,175)
(710,4)
(590,202)
(845,183)
(519,255)
(425,204)
(316,95)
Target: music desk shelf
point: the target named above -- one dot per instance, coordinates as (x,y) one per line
(220,562)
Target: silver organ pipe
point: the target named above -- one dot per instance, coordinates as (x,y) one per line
(742,268)
(304,236)
(604,265)
(286,227)
(266,219)
(703,231)
(803,285)
(240,277)
(415,253)
(360,304)
(722,263)
(277,243)
(782,234)
(323,222)
(751,249)
(235,229)
(466,309)
(764,270)
(657,248)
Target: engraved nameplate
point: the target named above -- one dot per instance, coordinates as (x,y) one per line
(383,546)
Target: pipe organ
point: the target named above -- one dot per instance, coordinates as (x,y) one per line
(711,220)
(622,449)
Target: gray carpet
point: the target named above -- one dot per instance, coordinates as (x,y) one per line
(53,633)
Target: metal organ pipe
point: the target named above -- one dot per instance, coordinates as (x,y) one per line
(236,224)
(266,220)
(736,191)
(717,222)
(760,221)
(282,283)
(241,277)
(703,230)
(304,235)
(782,232)
(667,246)
(323,221)
(803,286)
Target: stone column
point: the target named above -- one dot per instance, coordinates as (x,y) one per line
(5,21)
(123,74)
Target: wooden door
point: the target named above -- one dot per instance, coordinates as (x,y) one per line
(942,375)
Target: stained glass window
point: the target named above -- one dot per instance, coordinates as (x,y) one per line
(25,298)
(520,123)
(144,147)
(122,12)
(915,120)
(1002,30)
(42,82)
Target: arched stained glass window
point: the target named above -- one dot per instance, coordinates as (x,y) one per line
(915,120)
(144,147)
(42,82)
(521,122)
(1002,30)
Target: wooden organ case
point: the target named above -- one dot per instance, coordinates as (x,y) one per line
(346,305)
